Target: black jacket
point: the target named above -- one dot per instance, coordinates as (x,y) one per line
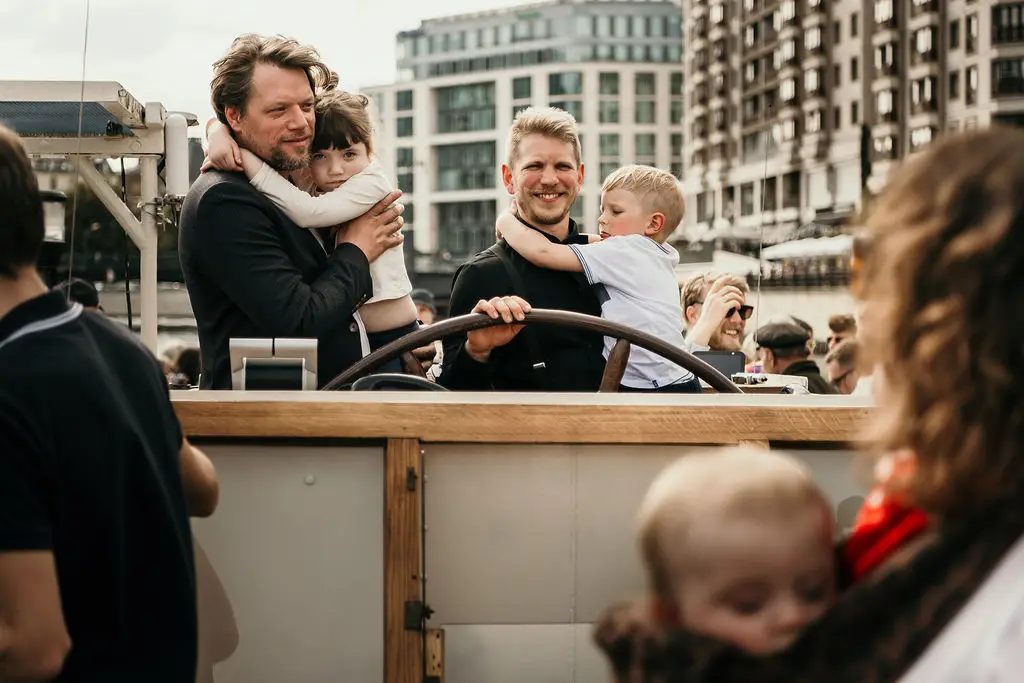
(252,273)
(573,358)
(816,384)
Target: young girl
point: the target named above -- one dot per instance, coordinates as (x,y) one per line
(342,183)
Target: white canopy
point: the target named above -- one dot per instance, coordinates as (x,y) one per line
(810,248)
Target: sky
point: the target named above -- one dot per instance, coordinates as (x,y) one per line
(162,50)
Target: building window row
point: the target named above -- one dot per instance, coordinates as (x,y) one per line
(1008,23)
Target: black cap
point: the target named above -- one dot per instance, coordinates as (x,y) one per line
(423,297)
(783,335)
(80,291)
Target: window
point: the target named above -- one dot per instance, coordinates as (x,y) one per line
(1008,23)
(837,75)
(403,127)
(644,145)
(837,118)
(677,144)
(925,45)
(972,34)
(465,228)
(717,13)
(924,94)
(675,112)
(854,113)
(812,82)
(464,108)
(403,100)
(812,39)
(885,59)
(405,182)
(469,166)
(516,108)
(787,90)
(568,83)
(884,12)
(812,124)
(747,199)
(609,83)
(837,32)
(1008,77)
(644,112)
(921,137)
(574,107)
(954,85)
(607,168)
(854,69)
(854,24)
(645,84)
(675,83)
(886,147)
(972,85)
(885,105)
(608,111)
(609,143)
(403,157)
(954,34)
(522,88)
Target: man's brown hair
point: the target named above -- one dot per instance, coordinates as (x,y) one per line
(943,277)
(22,225)
(844,322)
(342,120)
(232,73)
(846,354)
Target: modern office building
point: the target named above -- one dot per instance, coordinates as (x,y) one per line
(794,106)
(442,128)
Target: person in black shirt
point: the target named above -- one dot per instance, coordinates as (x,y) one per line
(785,349)
(544,173)
(97,581)
(250,271)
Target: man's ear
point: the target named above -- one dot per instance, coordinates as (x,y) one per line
(506,179)
(234,117)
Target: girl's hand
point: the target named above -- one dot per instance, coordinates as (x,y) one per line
(224,153)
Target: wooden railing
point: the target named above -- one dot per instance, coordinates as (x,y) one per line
(406,423)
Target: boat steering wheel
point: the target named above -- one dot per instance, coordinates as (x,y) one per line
(358,376)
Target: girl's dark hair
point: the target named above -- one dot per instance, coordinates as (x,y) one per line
(342,120)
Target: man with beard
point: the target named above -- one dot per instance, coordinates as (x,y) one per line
(250,272)
(716,311)
(544,173)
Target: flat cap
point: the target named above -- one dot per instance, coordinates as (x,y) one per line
(783,335)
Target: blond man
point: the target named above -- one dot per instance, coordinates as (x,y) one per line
(716,311)
(630,265)
(543,171)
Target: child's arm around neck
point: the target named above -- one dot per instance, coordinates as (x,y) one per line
(535,247)
(349,201)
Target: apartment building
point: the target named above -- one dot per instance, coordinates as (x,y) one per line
(442,128)
(795,106)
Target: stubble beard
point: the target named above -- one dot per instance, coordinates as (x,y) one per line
(275,157)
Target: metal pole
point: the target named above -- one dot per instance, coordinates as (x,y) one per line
(147,252)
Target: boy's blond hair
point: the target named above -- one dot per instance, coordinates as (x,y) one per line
(744,482)
(657,190)
(547,121)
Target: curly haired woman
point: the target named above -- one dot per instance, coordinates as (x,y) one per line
(944,274)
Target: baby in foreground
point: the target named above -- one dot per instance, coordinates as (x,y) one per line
(738,546)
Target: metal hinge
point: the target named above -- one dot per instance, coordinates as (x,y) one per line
(416,614)
(410,479)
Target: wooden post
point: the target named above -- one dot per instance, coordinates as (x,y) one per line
(403,649)
(435,655)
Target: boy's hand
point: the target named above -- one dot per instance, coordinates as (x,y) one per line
(506,216)
(224,153)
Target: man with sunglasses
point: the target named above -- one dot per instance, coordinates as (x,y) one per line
(716,311)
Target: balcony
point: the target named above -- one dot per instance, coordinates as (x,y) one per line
(922,7)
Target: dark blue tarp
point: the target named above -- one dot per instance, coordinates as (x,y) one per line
(59,119)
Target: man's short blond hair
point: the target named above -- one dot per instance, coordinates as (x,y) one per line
(657,190)
(739,483)
(550,122)
(696,288)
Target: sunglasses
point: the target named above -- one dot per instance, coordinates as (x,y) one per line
(744,311)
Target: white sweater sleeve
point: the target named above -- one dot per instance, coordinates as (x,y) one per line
(354,198)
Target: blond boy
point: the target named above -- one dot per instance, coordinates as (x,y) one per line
(630,265)
(738,545)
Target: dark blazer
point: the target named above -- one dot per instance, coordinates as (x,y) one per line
(251,272)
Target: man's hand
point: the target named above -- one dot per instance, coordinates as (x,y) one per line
(377,230)
(480,343)
(425,355)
